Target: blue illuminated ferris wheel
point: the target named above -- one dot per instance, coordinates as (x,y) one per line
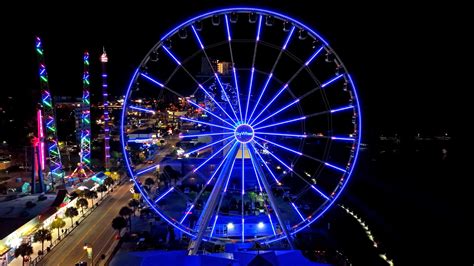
(247,123)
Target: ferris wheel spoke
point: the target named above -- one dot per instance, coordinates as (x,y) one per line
(250,89)
(266,166)
(205,134)
(257,38)
(335,167)
(163,195)
(209,112)
(154,81)
(141,109)
(280,146)
(288,38)
(243,190)
(224,192)
(196,81)
(229,39)
(327,83)
(252,159)
(281,134)
(275,113)
(281,123)
(208,145)
(212,156)
(271,101)
(205,123)
(298,211)
(293,171)
(213,70)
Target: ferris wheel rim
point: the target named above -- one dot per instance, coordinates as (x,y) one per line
(136,75)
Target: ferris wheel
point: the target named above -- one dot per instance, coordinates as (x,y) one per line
(250,125)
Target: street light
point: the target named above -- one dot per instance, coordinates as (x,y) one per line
(88,249)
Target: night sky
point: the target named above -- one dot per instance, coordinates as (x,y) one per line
(403,58)
(408,62)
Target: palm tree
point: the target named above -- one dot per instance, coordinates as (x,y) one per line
(149,182)
(108,181)
(24,250)
(133,203)
(90,194)
(126,212)
(71,212)
(102,188)
(42,235)
(118,223)
(58,223)
(82,203)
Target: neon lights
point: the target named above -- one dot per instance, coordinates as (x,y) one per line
(259,28)
(227,27)
(152,80)
(238,94)
(271,101)
(208,145)
(205,134)
(323,209)
(39,121)
(214,225)
(320,192)
(244,133)
(220,165)
(197,37)
(162,196)
(170,54)
(187,213)
(51,138)
(268,168)
(288,38)
(243,230)
(154,167)
(212,156)
(299,213)
(214,100)
(342,109)
(281,134)
(281,146)
(243,169)
(314,56)
(230,173)
(341,138)
(332,80)
(209,112)
(85,117)
(281,123)
(274,156)
(255,171)
(261,94)
(205,123)
(277,112)
(250,92)
(104,60)
(335,167)
(142,109)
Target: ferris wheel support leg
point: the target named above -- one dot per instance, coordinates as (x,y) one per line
(211,204)
(268,190)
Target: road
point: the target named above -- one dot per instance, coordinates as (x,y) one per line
(96,230)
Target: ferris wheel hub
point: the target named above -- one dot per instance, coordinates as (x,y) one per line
(244,133)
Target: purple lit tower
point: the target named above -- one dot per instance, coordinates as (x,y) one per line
(104,60)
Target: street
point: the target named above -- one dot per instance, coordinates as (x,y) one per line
(96,230)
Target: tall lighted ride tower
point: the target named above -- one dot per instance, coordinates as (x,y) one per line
(86,118)
(104,60)
(49,121)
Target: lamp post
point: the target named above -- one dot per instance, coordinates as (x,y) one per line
(88,249)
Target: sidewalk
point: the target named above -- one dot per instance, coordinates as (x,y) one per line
(64,232)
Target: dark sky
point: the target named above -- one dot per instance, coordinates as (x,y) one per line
(405,59)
